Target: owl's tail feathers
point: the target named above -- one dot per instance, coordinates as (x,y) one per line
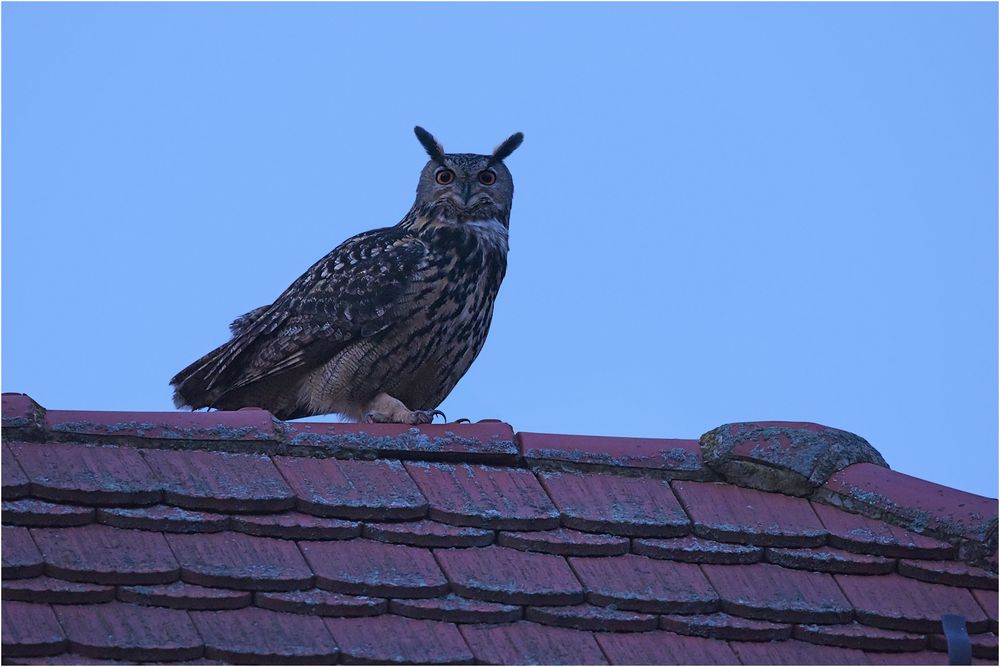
(197,385)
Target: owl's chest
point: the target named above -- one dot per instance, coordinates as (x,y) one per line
(459,288)
(453,299)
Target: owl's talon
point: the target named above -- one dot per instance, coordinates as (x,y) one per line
(463,420)
(427,416)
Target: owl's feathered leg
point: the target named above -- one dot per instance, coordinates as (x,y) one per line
(384,409)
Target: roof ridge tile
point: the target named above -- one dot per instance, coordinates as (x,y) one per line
(964,519)
(662,457)
(790,457)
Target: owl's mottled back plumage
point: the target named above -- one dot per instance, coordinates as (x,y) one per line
(385,325)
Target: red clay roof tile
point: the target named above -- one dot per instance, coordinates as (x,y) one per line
(692,549)
(21,412)
(31,629)
(643,584)
(219,481)
(908,658)
(794,652)
(390,639)
(632,506)
(564,542)
(664,648)
(860,534)
(484,496)
(164,518)
(489,442)
(182,595)
(239,561)
(526,643)
(367,567)
(499,574)
(917,658)
(253,635)
(129,632)
(592,617)
(15,482)
(345,489)
(916,501)
(28,512)
(56,591)
(829,559)
(295,526)
(899,603)
(683,457)
(105,555)
(865,637)
(456,609)
(248,425)
(721,625)
(77,659)
(983,645)
(734,514)
(428,533)
(321,603)
(774,593)
(21,558)
(953,573)
(86,474)
(989,602)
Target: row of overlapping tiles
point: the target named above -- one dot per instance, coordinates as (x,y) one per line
(79,634)
(917,504)
(473,495)
(497,574)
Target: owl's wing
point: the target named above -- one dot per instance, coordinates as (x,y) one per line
(354,292)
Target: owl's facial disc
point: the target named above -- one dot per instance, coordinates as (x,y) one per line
(467,186)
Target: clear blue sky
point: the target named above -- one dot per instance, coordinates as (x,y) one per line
(722,212)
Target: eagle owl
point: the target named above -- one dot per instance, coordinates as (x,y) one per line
(384,326)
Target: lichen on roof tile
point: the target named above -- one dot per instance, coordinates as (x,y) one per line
(499,574)
(244,562)
(219,481)
(55,591)
(162,518)
(637,583)
(618,504)
(347,489)
(105,555)
(747,516)
(236,426)
(367,567)
(493,442)
(565,542)
(914,503)
(92,475)
(318,602)
(31,630)
(679,456)
(30,512)
(484,496)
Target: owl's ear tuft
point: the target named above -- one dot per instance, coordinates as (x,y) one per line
(430,144)
(509,145)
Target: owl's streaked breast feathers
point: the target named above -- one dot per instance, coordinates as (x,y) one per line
(326,342)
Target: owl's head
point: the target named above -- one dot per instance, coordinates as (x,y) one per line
(474,187)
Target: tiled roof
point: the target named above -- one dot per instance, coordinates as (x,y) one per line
(233,537)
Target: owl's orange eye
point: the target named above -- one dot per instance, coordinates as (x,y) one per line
(487,177)
(444,177)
